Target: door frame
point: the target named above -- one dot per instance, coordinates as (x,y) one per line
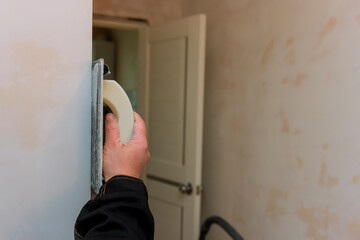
(117,23)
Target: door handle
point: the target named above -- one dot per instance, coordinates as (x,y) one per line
(186,188)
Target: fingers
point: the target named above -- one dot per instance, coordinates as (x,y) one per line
(139,132)
(111,129)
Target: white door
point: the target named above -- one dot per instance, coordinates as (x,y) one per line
(175,124)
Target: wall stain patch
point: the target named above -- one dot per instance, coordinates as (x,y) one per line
(329,27)
(319,221)
(290,57)
(285,126)
(325,146)
(322,174)
(285,80)
(269,47)
(320,56)
(290,41)
(326,180)
(358,18)
(356,179)
(299,79)
(274,209)
(33,82)
(297,132)
(300,162)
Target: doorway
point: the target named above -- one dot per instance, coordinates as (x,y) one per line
(168,92)
(121,43)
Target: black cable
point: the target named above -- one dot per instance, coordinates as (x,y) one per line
(205,227)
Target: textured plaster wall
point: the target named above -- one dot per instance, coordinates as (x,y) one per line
(153,10)
(282,117)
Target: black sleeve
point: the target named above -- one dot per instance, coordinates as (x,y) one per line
(119,211)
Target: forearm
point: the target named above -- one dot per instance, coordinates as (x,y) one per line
(120,211)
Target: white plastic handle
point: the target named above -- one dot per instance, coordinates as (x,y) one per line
(116,98)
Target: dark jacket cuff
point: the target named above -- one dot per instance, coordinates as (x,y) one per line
(118,184)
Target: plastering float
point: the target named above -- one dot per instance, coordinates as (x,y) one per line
(112,94)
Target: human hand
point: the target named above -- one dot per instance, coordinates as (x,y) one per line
(124,158)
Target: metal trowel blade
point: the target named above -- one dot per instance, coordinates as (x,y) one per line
(96,124)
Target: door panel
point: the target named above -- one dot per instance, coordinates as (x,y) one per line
(176,88)
(166,205)
(166,105)
(166,213)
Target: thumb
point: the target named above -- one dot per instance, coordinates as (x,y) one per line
(139,131)
(111,129)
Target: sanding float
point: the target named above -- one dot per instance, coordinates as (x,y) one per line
(114,96)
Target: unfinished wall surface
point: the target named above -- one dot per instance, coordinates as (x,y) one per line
(45,50)
(282,117)
(155,11)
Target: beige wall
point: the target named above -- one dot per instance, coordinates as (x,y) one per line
(282,135)
(282,117)
(153,10)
